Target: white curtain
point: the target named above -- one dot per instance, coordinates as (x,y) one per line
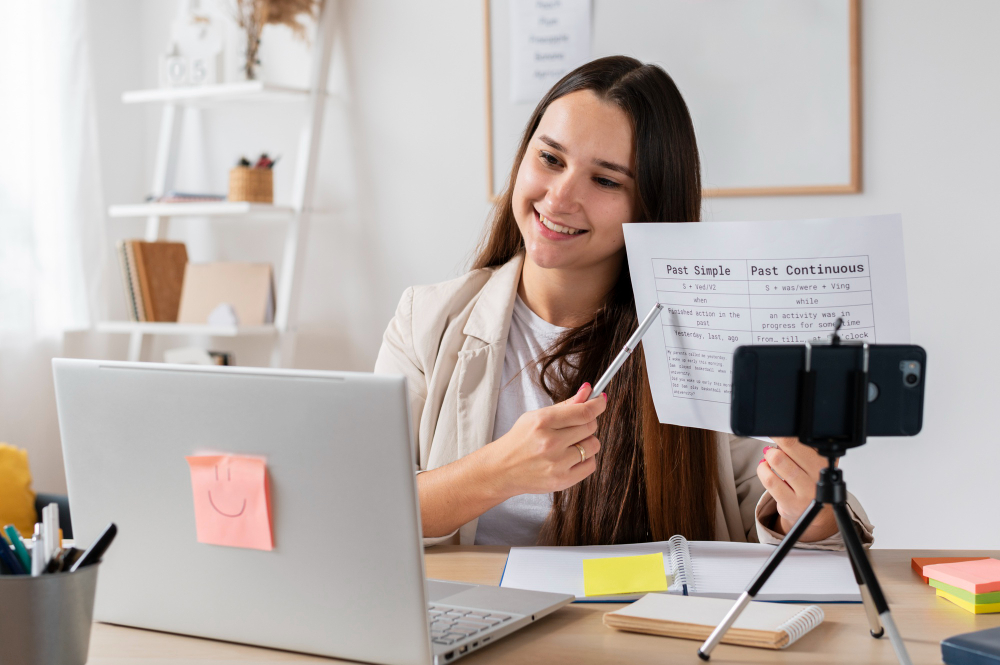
(52,235)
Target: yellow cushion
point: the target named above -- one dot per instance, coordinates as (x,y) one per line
(17,501)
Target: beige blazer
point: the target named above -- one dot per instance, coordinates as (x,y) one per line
(449,341)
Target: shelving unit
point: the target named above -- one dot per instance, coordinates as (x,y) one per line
(202,209)
(132,327)
(297,213)
(241,91)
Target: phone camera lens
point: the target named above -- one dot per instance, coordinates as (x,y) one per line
(911,372)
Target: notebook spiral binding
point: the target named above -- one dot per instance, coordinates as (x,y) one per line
(802,623)
(680,559)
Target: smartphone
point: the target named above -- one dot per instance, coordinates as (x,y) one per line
(767,381)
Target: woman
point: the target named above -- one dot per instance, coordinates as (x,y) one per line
(510,450)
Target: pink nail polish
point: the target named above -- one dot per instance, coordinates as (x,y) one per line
(761,462)
(605,396)
(767,448)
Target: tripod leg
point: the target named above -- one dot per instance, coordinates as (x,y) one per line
(860,559)
(874,626)
(760,579)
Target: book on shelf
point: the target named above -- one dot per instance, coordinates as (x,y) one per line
(195,355)
(228,294)
(188,197)
(153,274)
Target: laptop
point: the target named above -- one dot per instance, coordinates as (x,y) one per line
(345,577)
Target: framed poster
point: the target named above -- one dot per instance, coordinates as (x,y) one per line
(773,87)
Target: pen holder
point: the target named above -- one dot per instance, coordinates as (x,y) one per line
(47,619)
(254,185)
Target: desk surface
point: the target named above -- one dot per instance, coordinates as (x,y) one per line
(576,635)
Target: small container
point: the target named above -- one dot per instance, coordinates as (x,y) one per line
(249,184)
(46,620)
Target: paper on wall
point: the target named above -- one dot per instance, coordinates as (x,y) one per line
(548,39)
(730,284)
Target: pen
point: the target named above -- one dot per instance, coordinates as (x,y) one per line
(55,563)
(629,347)
(70,555)
(97,549)
(19,549)
(50,530)
(9,560)
(37,551)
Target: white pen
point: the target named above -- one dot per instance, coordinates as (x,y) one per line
(52,534)
(629,347)
(37,553)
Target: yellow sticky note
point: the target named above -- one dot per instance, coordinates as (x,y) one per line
(624,574)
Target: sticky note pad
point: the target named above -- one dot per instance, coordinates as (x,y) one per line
(984,608)
(624,574)
(231,501)
(918,562)
(974,598)
(981,576)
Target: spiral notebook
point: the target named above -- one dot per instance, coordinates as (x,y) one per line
(695,568)
(765,625)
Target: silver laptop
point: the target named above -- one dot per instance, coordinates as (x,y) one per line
(345,576)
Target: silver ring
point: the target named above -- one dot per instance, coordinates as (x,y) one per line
(583,453)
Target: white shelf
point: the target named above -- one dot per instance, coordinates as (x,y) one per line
(221,92)
(200,209)
(185,329)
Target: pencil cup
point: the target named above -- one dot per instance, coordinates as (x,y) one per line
(46,620)
(254,185)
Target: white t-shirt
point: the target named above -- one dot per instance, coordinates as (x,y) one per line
(517,521)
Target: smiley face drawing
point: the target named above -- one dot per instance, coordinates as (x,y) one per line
(231,501)
(229,478)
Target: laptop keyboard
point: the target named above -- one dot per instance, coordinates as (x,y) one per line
(453,624)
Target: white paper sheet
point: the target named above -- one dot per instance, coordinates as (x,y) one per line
(719,569)
(729,284)
(548,39)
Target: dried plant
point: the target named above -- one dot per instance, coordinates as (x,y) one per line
(253,15)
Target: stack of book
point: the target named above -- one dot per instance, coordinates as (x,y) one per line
(189,197)
(972,585)
(153,273)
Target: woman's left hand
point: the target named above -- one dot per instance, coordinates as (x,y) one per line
(790,473)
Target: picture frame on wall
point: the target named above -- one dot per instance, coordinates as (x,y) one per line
(773,86)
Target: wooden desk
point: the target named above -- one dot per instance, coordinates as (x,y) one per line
(576,635)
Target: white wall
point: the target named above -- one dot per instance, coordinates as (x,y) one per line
(931,134)
(403,178)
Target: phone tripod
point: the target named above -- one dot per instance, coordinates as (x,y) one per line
(830,490)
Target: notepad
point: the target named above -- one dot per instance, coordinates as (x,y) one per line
(765,625)
(979,648)
(981,576)
(697,568)
(624,574)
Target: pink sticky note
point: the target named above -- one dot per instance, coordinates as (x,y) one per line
(231,501)
(982,576)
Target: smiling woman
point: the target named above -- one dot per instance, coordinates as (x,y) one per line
(510,450)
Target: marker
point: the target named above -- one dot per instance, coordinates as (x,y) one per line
(19,549)
(626,351)
(9,560)
(97,549)
(70,555)
(37,551)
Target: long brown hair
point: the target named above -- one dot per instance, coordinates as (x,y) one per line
(652,481)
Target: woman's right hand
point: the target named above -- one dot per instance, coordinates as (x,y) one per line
(540,455)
